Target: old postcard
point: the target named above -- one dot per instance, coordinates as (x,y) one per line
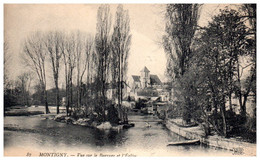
(129,80)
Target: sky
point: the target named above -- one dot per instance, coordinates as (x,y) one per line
(146,25)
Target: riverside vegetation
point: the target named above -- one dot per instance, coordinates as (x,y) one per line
(212,69)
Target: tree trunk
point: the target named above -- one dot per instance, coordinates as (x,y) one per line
(57,99)
(71,95)
(67,90)
(223,112)
(57,95)
(230,101)
(47,111)
(80,94)
(24,103)
(119,89)
(78,89)
(67,100)
(243,107)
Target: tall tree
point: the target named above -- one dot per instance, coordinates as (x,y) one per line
(120,46)
(243,90)
(69,59)
(181,25)
(102,46)
(88,61)
(221,47)
(84,49)
(7,58)
(53,48)
(24,84)
(231,34)
(79,63)
(7,83)
(35,57)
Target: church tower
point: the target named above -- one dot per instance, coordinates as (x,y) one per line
(145,77)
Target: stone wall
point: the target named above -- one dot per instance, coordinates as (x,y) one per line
(242,148)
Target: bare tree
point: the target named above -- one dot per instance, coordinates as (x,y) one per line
(7,58)
(102,46)
(79,62)
(35,57)
(24,83)
(87,58)
(53,48)
(91,72)
(120,45)
(83,48)
(68,53)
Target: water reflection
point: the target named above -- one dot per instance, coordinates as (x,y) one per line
(47,134)
(110,138)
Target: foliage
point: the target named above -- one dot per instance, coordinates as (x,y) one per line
(11,98)
(181,25)
(216,73)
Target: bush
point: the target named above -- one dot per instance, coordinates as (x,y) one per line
(251,123)
(78,113)
(140,104)
(112,115)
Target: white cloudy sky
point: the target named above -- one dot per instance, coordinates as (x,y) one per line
(147,26)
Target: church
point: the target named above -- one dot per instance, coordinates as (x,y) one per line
(145,80)
(147,86)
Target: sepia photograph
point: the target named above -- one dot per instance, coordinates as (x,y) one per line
(129,80)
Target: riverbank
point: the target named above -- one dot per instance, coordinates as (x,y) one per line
(39,111)
(86,122)
(196,132)
(21,111)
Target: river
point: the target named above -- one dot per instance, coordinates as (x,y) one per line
(34,134)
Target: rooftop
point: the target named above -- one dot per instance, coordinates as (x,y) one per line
(145,69)
(155,80)
(136,78)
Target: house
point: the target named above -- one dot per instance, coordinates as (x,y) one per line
(145,94)
(166,91)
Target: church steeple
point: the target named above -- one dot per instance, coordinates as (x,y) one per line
(145,70)
(145,77)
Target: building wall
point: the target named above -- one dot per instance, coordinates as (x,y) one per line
(145,79)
